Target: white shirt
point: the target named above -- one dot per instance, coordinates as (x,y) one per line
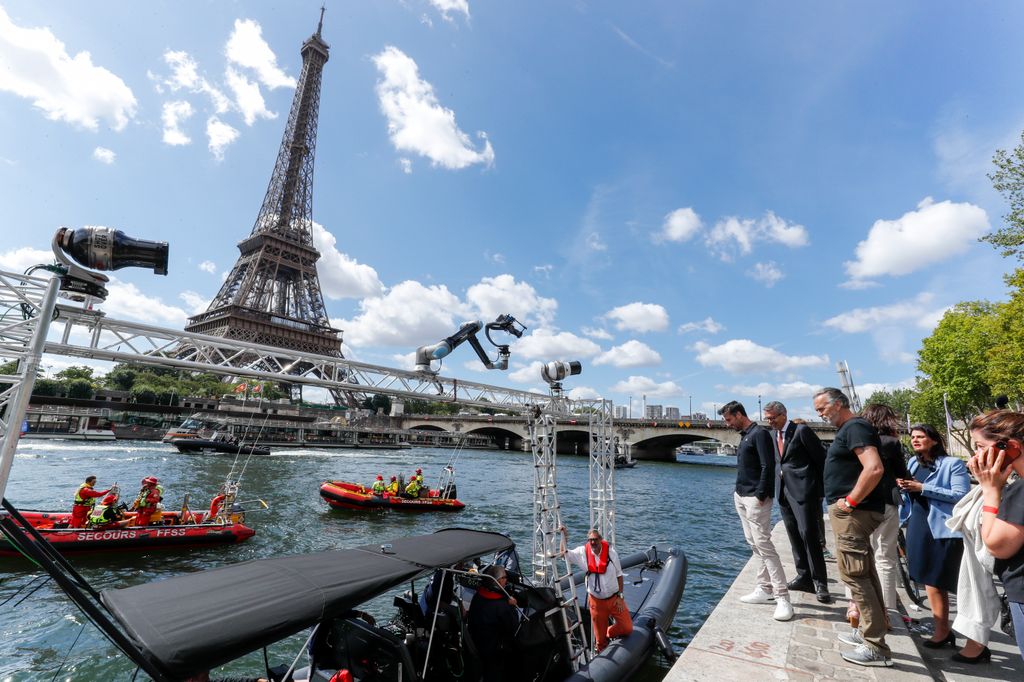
(599,585)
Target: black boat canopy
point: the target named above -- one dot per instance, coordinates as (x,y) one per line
(202,620)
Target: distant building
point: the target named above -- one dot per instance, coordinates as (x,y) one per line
(654,412)
(672,413)
(621,412)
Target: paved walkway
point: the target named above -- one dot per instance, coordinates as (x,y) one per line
(743,642)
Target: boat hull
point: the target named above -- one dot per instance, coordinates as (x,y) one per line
(194,445)
(344,495)
(52,526)
(652,603)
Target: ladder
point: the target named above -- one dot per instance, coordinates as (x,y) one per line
(551,567)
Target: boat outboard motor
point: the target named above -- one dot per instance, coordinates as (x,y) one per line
(664,646)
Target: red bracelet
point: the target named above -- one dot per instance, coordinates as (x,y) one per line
(990,510)
(850,502)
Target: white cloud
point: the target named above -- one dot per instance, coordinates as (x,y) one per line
(680,225)
(409,314)
(633,353)
(417,122)
(196,302)
(595,243)
(742,356)
(494,257)
(932,233)
(707,325)
(494,296)
(126,302)
(248,97)
(185,76)
(208,266)
(104,155)
(917,312)
(767,274)
(544,270)
(528,374)
(782,392)
(596,333)
(867,389)
(641,385)
(639,317)
(547,345)
(449,7)
(174,113)
(37,67)
(19,260)
(219,135)
(406,165)
(734,235)
(583,393)
(246,47)
(340,275)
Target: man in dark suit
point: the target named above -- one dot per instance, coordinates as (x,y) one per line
(800,489)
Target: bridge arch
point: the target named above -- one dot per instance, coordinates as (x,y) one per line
(506,439)
(663,447)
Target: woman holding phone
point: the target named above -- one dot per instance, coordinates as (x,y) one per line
(998,444)
(936,483)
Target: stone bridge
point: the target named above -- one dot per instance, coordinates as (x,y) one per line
(648,439)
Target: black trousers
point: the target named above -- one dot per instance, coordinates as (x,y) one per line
(803,525)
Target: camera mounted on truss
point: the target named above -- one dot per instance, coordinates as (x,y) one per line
(101,248)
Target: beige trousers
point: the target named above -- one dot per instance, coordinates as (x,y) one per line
(756,519)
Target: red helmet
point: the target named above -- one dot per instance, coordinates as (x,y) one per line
(109,499)
(394,478)
(379,477)
(150,480)
(419,471)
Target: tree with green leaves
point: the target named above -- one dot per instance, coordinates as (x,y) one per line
(899,399)
(1008,180)
(1005,370)
(954,362)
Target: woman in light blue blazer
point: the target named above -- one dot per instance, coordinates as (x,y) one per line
(937,482)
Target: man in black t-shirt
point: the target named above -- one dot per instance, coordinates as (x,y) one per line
(856,506)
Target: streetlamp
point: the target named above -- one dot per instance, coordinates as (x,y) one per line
(630,407)
(759,408)
(691,408)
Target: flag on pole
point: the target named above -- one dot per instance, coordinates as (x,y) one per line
(949,418)
(241,388)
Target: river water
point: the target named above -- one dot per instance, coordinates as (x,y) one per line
(44,637)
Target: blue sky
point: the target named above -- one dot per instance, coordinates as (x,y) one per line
(699,200)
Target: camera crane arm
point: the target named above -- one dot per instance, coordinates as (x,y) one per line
(425,355)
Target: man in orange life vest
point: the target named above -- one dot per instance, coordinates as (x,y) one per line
(604,587)
(85,499)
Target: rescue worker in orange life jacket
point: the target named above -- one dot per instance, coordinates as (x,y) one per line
(148,498)
(85,500)
(604,587)
(378,486)
(392,487)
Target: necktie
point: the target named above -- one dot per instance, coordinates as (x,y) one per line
(780,442)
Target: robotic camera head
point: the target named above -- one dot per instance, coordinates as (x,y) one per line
(101,248)
(554,372)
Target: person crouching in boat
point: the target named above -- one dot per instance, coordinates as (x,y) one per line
(147,500)
(85,500)
(108,514)
(392,487)
(378,486)
(412,491)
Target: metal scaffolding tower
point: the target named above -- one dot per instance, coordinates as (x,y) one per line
(602,470)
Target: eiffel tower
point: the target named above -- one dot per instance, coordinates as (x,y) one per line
(272,296)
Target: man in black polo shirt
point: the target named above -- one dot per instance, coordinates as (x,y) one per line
(755,487)
(856,506)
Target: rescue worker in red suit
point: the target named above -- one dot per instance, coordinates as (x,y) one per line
(85,500)
(604,587)
(145,504)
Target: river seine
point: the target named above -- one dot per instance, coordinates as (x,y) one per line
(44,637)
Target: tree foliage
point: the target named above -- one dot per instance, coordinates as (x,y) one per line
(1008,180)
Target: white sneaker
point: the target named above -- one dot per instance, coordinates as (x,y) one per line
(783,610)
(853,637)
(758,596)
